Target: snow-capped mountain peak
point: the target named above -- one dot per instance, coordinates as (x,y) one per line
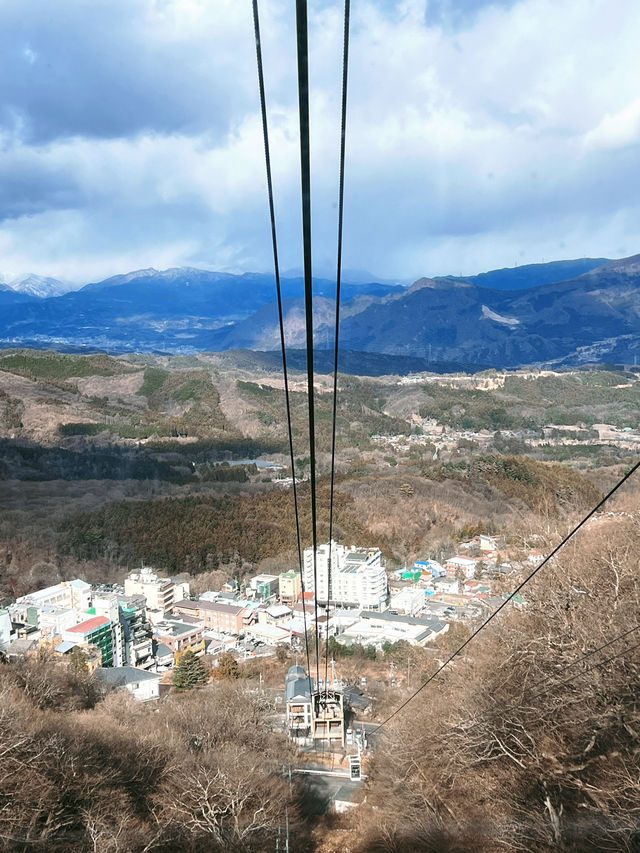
(40,286)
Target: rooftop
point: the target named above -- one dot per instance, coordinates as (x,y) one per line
(201,604)
(431,624)
(89,625)
(119,676)
(297,687)
(277,610)
(174,628)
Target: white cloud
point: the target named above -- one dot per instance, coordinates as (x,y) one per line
(506,131)
(616,130)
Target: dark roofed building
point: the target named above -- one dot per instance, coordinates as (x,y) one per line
(143,685)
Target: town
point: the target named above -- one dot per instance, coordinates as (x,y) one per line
(132,635)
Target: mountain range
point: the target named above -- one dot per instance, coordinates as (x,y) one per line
(564,312)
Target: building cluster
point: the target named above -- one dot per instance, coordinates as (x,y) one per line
(148,622)
(112,627)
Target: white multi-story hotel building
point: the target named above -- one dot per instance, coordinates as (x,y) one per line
(358,578)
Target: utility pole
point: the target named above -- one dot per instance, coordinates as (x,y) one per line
(286,823)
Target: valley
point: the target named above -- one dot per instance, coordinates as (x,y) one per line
(418,457)
(181,462)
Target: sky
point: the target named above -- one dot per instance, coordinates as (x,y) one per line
(479,135)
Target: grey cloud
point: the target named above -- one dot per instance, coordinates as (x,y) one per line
(129,145)
(94,69)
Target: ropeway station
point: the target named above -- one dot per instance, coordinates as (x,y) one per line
(313,715)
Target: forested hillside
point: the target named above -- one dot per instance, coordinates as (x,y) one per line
(516,747)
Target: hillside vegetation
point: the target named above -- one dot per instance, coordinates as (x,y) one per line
(202,772)
(512,749)
(114,436)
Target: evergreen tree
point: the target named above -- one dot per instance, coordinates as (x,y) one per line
(189,672)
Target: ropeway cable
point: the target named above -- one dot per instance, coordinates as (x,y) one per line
(549,682)
(584,672)
(492,616)
(276,266)
(343,132)
(305,181)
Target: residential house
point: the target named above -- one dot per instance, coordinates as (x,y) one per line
(143,685)
(449,586)
(429,567)
(92,654)
(277,614)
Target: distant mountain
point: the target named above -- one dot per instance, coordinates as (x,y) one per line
(175,310)
(533,275)
(10,297)
(40,286)
(592,316)
(595,315)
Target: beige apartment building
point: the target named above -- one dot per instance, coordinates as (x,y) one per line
(290,587)
(160,593)
(222,618)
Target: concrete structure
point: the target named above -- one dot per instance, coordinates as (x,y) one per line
(163,655)
(216,616)
(53,620)
(95,631)
(263,587)
(136,631)
(143,685)
(271,634)
(357,577)
(180,636)
(74,596)
(160,593)
(130,627)
(277,614)
(290,587)
(377,628)
(465,564)
(410,601)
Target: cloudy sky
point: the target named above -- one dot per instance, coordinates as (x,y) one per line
(480,134)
